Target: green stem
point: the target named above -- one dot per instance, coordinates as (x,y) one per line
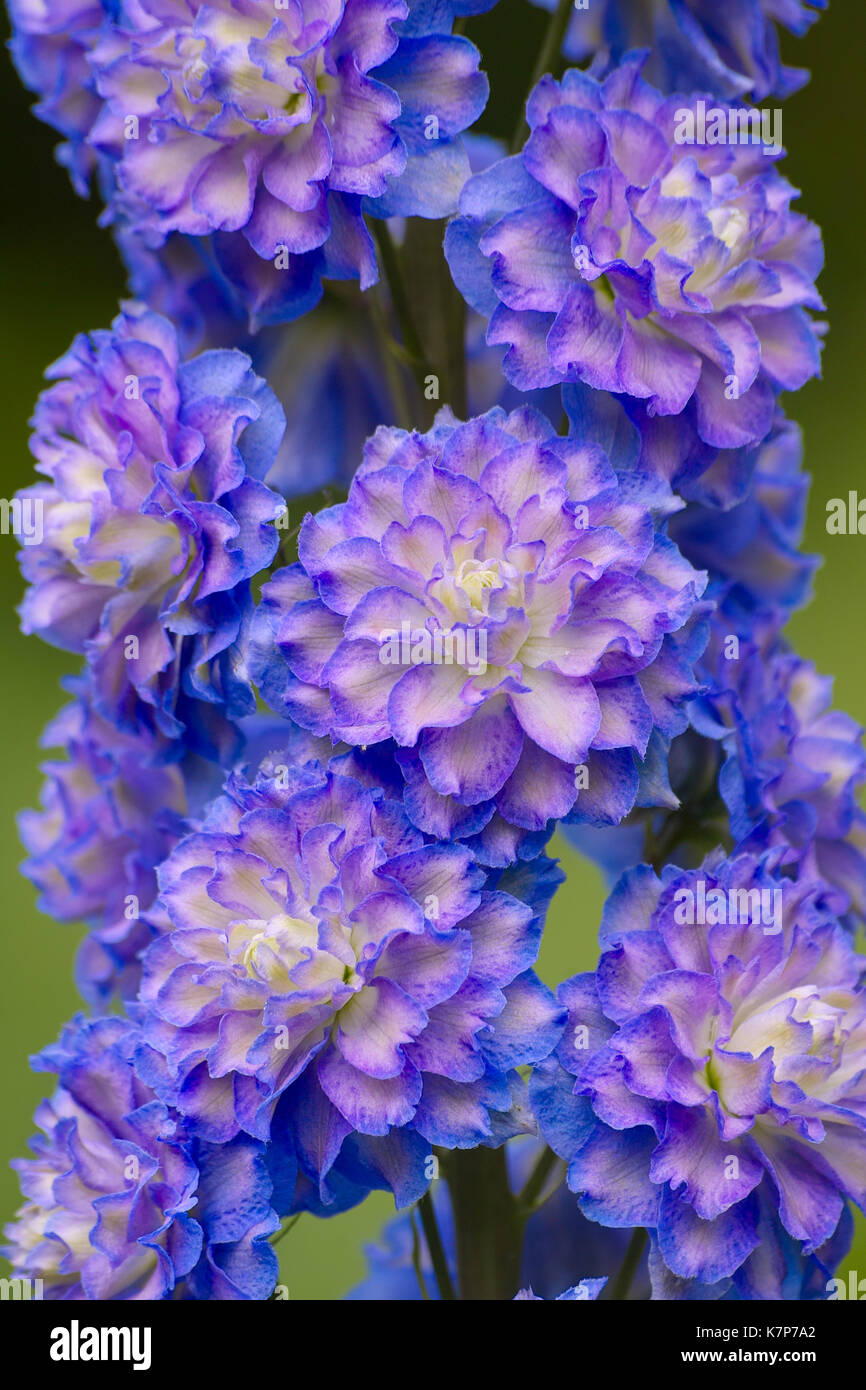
(628,1269)
(695,825)
(548,58)
(284,1230)
(393,372)
(488,1225)
(528,1197)
(397,286)
(440,313)
(658,848)
(436,1248)
(416,1257)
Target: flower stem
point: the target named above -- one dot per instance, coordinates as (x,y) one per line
(534,1186)
(416,1257)
(390,260)
(436,1248)
(393,371)
(488,1225)
(284,1230)
(548,58)
(629,1266)
(440,312)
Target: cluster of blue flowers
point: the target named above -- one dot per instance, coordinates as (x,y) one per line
(311,774)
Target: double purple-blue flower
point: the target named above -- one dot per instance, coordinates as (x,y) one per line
(111,811)
(793,765)
(320,951)
(155,515)
(266,131)
(726,49)
(120,1202)
(502,604)
(710,1080)
(620,250)
(50,46)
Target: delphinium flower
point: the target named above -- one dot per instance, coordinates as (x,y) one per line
(709,1085)
(259,130)
(725,49)
(154,517)
(503,605)
(793,764)
(327,370)
(321,952)
(741,513)
(180,281)
(119,1203)
(49,46)
(268,132)
(712,483)
(751,549)
(743,523)
(620,250)
(500,630)
(778,1270)
(111,811)
(786,765)
(585,1291)
(559,1245)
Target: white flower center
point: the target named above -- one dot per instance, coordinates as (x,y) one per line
(268,951)
(730,225)
(477,579)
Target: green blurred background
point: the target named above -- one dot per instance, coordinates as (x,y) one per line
(62,275)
